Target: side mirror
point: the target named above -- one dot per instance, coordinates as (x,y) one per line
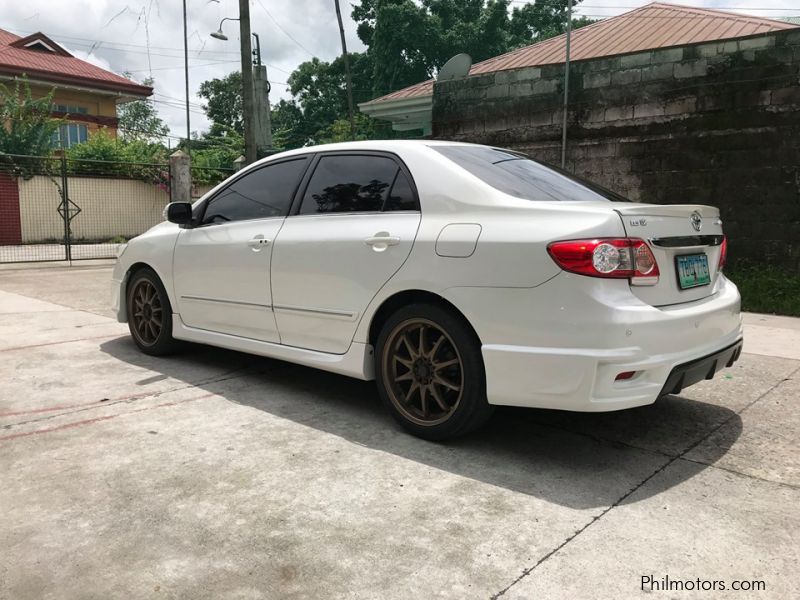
(179,212)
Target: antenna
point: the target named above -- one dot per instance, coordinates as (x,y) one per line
(456,68)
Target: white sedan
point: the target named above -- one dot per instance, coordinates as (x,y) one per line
(458,276)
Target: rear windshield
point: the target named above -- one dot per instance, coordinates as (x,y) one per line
(519,175)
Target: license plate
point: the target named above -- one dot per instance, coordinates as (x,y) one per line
(692,270)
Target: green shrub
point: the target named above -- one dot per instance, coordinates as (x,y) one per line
(767,288)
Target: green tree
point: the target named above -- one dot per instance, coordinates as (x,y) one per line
(538,21)
(139,120)
(26,123)
(400,37)
(339,130)
(320,92)
(288,126)
(224,104)
(319,99)
(407,42)
(213,156)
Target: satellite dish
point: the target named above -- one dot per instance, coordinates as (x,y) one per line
(456,68)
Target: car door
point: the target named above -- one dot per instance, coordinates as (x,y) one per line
(221,266)
(350,231)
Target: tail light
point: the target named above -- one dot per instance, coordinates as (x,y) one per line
(723,252)
(618,258)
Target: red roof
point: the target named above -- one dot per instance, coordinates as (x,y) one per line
(18,57)
(656,25)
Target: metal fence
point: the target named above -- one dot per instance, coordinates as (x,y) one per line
(57,208)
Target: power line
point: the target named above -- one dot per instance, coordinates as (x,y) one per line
(181,100)
(111,43)
(211,64)
(106,45)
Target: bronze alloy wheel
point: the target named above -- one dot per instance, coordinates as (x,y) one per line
(424,371)
(146,313)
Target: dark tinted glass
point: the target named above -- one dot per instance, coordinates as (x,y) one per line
(402,195)
(264,193)
(518,175)
(349,184)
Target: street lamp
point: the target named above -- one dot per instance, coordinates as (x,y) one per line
(255,100)
(220,35)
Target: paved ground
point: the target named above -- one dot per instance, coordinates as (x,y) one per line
(219,475)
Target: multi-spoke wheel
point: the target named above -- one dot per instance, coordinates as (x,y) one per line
(149,313)
(430,372)
(426,376)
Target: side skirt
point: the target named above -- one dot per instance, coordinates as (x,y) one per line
(357,362)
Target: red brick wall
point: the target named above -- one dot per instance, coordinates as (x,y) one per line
(10,229)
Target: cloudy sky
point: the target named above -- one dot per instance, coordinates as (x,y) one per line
(146,37)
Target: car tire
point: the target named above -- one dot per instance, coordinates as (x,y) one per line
(430,372)
(150,314)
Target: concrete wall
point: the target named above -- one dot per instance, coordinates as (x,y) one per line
(109,208)
(715,123)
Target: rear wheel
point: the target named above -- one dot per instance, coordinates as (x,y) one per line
(150,314)
(430,372)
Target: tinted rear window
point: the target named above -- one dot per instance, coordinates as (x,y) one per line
(518,175)
(349,183)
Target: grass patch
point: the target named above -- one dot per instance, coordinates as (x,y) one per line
(767,289)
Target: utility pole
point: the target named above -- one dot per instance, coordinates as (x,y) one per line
(186,80)
(348,77)
(566,89)
(261,88)
(247,83)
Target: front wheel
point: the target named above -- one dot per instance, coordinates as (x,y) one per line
(430,372)
(150,314)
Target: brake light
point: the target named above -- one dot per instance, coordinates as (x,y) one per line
(723,253)
(618,258)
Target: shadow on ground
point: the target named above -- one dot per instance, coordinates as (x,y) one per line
(578,460)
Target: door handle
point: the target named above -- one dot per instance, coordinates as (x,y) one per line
(382,240)
(258,242)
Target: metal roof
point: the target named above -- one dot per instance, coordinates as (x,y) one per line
(655,25)
(17,57)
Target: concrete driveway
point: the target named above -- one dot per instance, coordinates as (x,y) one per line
(214,474)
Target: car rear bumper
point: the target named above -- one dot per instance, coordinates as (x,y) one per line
(695,371)
(562,345)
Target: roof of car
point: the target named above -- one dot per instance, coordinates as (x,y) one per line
(374,145)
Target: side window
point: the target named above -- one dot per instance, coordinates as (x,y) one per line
(401,197)
(266,192)
(349,183)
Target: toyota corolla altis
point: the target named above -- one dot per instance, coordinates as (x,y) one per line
(458,276)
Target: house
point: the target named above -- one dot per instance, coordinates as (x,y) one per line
(667,105)
(85,95)
(658,25)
